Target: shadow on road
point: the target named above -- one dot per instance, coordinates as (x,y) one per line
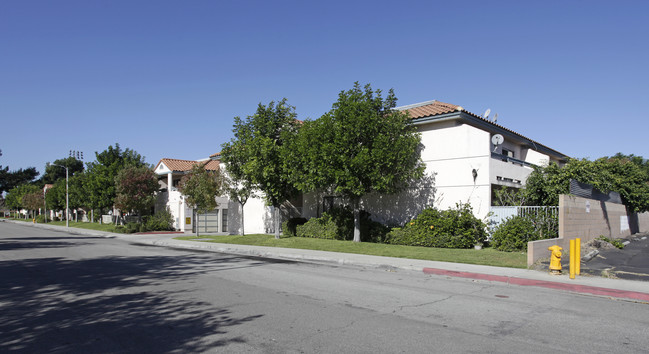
(108,305)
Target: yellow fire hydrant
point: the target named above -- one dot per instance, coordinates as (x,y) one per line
(555,259)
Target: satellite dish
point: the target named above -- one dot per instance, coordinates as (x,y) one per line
(486,113)
(495,117)
(497,140)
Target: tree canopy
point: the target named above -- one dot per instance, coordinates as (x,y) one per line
(14,199)
(625,174)
(100,180)
(11,179)
(53,172)
(201,187)
(135,189)
(361,146)
(33,200)
(257,153)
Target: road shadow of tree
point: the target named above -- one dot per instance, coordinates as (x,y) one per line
(107,305)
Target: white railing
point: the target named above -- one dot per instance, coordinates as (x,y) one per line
(500,213)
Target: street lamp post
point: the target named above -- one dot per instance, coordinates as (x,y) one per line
(67,200)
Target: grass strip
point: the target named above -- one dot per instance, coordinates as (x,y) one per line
(485,256)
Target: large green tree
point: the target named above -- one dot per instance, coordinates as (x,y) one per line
(53,171)
(11,179)
(135,188)
(256,154)
(200,188)
(239,191)
(14,199)
(33,201)
(625,174)
(100,180)
(361,146)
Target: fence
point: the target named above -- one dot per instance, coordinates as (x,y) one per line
(500,213)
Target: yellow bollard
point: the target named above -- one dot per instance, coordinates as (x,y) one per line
(555,259)
(572,259)
(577,256)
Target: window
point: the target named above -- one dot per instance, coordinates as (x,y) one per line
(508,153)
(224,220)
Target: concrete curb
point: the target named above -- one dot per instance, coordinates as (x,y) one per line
(617,288)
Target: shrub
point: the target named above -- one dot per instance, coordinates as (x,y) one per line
(41,219)
(289,228)
(545,224)
(131,227)
(338,224)
(451,228)
(615,242)
(160,221)
(323,227)
(514,234)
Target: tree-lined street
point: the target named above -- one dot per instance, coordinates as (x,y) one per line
(72,293)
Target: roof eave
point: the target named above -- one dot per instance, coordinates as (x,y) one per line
(479,122)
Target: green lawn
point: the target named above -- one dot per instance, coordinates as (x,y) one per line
(485,256)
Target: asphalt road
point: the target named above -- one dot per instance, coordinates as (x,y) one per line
(67,293)
(631,262)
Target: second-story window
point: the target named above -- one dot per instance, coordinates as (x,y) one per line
(508,153)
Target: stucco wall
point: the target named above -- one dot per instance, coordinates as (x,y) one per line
(451,153)
(256,217)
(535,157)
(515,172)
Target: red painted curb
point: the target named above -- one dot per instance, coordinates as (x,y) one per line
(543,283)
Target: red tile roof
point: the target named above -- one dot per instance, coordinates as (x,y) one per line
(433,108)
(430,108)
(177,165)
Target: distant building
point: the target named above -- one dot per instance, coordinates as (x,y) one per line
(224,219)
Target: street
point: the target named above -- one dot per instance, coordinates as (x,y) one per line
(71,293)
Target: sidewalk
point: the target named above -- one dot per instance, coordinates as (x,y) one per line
(616,288)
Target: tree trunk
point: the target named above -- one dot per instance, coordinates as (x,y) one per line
(242,225)
(357,219)
(196,222)
(276,217)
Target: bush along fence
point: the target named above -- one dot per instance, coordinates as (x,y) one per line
(512,227)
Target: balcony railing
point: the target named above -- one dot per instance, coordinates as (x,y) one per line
(505,158)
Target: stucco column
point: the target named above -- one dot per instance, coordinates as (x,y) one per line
(170,181)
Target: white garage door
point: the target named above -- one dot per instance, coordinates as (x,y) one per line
(208,222)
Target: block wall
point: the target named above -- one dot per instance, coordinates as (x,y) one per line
(587,219)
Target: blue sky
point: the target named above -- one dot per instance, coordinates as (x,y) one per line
(166,78)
